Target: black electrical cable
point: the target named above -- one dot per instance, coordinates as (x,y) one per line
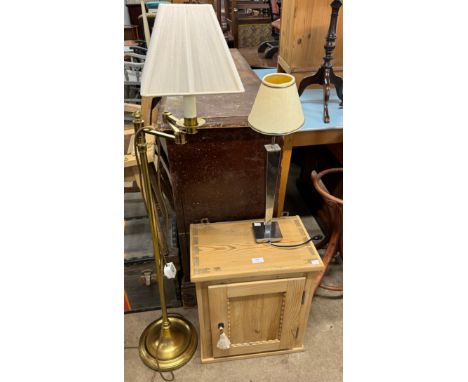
(290,245)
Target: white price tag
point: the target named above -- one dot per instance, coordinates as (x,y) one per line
(315,262)
(170,270)
(257,260)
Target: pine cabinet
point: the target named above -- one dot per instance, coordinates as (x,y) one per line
(256,295)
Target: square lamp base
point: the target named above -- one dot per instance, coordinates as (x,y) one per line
(259,232)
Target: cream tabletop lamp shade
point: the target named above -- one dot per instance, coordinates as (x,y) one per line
(188,54)
(277,109)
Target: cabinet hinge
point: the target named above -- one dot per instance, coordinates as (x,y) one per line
(303,298)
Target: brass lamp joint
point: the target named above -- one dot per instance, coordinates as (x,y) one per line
(180,138)
(170,120)
(184,125)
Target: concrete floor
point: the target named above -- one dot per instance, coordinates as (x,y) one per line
(321,361)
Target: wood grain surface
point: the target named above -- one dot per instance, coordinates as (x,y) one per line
(258,316)
(228,250)
(304,27)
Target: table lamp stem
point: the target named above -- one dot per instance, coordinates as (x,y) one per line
(273,156)
(269,231)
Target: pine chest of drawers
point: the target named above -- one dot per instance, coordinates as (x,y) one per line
(256,295)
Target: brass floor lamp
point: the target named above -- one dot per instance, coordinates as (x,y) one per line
(187,56)
(170,341)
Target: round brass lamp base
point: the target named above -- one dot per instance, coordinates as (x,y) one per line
(178,344)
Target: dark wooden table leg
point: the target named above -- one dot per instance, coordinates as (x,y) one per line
(325,75)
(338,83)
(326,95)
(316,79)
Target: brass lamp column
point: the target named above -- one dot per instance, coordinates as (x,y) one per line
(169,342)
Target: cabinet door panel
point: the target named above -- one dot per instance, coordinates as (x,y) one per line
(258,316)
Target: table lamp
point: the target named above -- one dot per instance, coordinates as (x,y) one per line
(187,56)
(276,111)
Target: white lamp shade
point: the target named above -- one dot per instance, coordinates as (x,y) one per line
(188,54)
(277,109)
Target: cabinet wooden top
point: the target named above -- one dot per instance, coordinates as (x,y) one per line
(228,250)
(220,110)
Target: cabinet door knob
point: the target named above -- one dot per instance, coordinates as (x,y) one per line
(223,342)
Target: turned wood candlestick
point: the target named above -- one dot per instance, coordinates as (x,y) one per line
(325,75)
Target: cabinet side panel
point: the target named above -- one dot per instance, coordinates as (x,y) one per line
(204,320)
(312,279)
(290,324)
